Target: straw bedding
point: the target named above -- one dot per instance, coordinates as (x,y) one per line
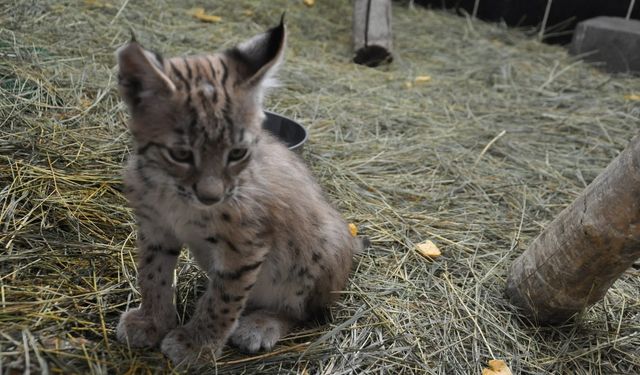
(478,158)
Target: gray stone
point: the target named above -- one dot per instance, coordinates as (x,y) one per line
(613,41)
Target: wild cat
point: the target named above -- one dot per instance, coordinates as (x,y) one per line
(204,173)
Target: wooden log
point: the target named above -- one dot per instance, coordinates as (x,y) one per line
(573,262)
(372,37)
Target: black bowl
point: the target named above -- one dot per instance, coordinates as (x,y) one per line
(292,134)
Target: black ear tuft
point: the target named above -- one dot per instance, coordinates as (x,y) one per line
(133,36)
(258,55)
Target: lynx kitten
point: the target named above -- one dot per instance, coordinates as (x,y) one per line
(204,173)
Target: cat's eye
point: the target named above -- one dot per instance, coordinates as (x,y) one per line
(181,155)
(237,154)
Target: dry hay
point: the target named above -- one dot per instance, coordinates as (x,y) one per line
(478,159)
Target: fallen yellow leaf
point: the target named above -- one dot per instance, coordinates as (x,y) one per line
(408,85)
(428,249)
(85,103)
(497,367)
(634,97)
(309,3)
(353,229)
(422,79)
(201,15)
(97,4)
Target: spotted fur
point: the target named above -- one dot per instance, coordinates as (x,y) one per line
(205,174)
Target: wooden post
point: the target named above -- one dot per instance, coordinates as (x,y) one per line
(573,262)
(372,38)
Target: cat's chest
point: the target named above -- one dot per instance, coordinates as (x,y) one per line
(192,225)
(206,228)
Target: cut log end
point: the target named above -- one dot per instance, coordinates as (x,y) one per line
(372,37)
(373,56)
(538,312)
(573,262)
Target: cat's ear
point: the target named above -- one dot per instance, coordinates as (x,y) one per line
(140,74)
(259,57)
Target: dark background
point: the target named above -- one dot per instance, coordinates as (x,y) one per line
(563,16)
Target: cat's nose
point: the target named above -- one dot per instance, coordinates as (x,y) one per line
(208,200)
(209,191)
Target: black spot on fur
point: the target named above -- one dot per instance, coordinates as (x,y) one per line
(226,217)
(226,298)
(299,292)
(151,330)
(316,256)
(212,239)
(149,259)
(173,252)
(155,248)
(225,311)
(231,246)
(150,276)
(234,275)
(195,222)
(238,298)
(303,271)
(163,282)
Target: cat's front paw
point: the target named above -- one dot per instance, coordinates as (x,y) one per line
(184,348)
(257,332)
(138,329)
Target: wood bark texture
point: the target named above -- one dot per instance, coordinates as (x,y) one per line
(372,36)
(573,262)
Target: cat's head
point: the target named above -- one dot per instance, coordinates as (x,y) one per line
(195,120)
